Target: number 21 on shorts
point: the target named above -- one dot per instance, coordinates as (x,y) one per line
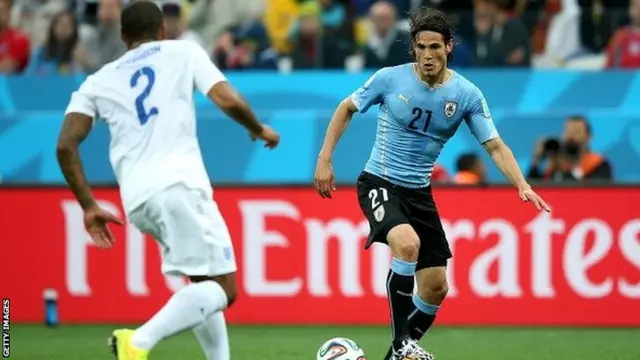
(143,114)
(375,193)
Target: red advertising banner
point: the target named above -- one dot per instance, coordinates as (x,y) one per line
(300,258)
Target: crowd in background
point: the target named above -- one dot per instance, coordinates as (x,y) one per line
(69,36)
(565,158)
(65,36)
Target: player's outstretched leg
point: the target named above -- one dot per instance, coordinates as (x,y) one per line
(422,317)
(213,337)
(420,320)
(404,244)
(432,289)
(186,309)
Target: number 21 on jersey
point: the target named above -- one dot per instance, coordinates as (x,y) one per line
(417,116)
(373,196)
(144,114)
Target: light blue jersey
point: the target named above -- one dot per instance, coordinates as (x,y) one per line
(415,121)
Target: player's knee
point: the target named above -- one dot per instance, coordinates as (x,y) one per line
(434,291)
(232,295)
(227,282)
(409,250)
(404,242)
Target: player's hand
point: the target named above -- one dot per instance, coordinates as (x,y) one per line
(96,222)
(324,178)
(270,137)
(528,195)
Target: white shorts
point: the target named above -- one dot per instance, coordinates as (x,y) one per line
(188,226)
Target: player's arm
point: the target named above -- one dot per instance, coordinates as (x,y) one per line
(211,82)
(338,124)
(505,161)
(371,93)
(324,179)
(78,122)
(483,128)
(75,129)
(232,104)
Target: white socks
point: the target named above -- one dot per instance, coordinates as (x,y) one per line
(212,336)
(186,309)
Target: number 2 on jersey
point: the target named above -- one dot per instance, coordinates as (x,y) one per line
(417,114)
(143,114)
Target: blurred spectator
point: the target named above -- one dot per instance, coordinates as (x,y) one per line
(461,54)
(211,18)
(34,16)
(598,20)
(500,40)
(280,15)
(332,15)
(386,44)
(470,170)
(439,174)
(624,49)
(460,14)
(361,7)
(173,26)
(563,36)
(315,47)
(56,55)
(571,159)
(245,47)
(14,44)
(102,43)
(528,11)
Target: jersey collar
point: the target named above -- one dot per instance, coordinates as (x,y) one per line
(437,86)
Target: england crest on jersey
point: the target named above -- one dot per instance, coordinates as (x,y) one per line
(450,108)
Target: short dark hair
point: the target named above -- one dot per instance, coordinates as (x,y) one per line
(467,161)
(429,19)
(581,119)
(140,20)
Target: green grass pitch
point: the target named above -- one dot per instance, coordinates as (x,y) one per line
(33,342)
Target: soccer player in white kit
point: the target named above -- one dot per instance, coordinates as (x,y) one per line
(146,99)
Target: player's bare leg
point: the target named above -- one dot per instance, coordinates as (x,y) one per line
(186,309)
(432,290)
(405,245)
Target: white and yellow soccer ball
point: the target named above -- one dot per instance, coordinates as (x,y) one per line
(340,349)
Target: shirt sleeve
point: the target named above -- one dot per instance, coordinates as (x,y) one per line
(82,100)
(205,73)
(372,92)
(479,118)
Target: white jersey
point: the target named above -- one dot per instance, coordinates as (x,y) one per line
(146,98)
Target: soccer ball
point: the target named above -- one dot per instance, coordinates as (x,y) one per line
(340,349)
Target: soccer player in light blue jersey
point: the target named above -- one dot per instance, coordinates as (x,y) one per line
(421,105)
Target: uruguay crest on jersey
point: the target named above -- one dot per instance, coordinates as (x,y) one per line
(450,108)
(379,213)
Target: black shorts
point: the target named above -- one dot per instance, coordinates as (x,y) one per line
(387,205)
